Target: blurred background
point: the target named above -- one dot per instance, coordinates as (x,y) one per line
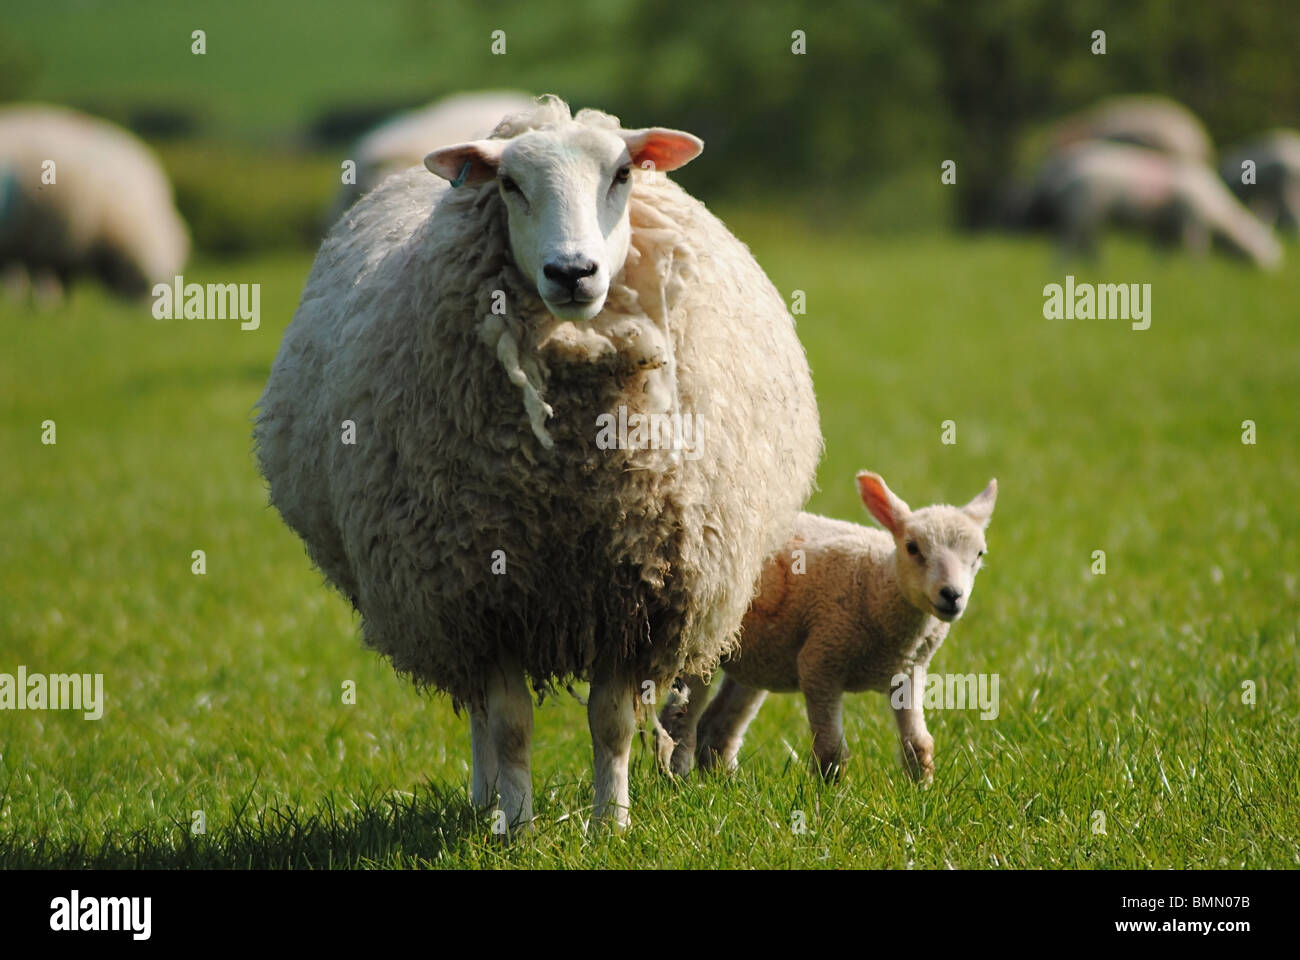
(849,134)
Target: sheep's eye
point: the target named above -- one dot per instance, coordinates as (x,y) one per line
(624,172)
(509,186)
(914,550)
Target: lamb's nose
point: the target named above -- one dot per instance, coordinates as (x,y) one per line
(569,272)
(950,594)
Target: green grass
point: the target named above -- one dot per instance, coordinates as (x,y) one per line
(1119,693)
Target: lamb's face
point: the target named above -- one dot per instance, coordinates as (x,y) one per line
(938,550)
(565,188)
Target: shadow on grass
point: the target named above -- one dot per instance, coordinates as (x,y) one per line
(382,830)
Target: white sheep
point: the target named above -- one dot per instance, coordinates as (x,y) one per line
(402,141)
(1274,196)
(80,195)
(1086,187)
(842,608)
(481,340)
(1143,120)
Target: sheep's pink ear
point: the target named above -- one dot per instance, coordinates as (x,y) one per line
(981,508)
(658,148)
(482,156)
(880,500)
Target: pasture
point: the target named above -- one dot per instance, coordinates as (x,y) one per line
(1148,715)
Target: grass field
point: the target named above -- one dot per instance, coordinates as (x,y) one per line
(1121,694)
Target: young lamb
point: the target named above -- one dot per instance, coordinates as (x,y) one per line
(79,195)
(1083,188)
(401,142)
(489,524)
(869,606)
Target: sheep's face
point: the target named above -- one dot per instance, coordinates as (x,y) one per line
(566,192)
(938,550)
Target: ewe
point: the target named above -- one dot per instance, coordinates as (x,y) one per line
(477,338)
(869,606)
(79,195)
(1142,120)
(401,142)
(1081,190)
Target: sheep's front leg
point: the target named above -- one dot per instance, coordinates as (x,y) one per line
(917,744)
(826,717)
(611,715)
(502,737)
(723,726)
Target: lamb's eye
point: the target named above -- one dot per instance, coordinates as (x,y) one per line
(509,186)
(624,172)
(914,550)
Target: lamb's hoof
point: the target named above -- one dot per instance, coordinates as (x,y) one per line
(918,758)
(665,752)
(683,760)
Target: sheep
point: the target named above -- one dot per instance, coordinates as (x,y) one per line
(1142,120)
(1082,188)
(489,523)
(1274,196)
(841,608)
(402,141)
(79,195)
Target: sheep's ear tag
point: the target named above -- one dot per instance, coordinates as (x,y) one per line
(464,174)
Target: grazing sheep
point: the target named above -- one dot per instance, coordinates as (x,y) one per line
(401,142)
(1142,120)
(108,210)
(489,523)
(1082,189)
(869,606)
(1274,197)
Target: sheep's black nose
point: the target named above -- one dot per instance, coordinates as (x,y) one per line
(569,272)
(950,594)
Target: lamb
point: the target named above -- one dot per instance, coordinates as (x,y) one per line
(1274,197)
(1142,120)
(869,608)
(1083,188)
(401,142)
(481,338)
(78,195)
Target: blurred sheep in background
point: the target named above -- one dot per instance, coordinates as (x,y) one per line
(80,196)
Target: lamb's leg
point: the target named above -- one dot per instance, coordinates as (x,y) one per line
(510,733)
(722,728)
(681,720)
(826,717)
(917,744)
(611,715)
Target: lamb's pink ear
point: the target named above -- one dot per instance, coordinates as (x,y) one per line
(665,149)
(981,508)
(483,157)
(880,500)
